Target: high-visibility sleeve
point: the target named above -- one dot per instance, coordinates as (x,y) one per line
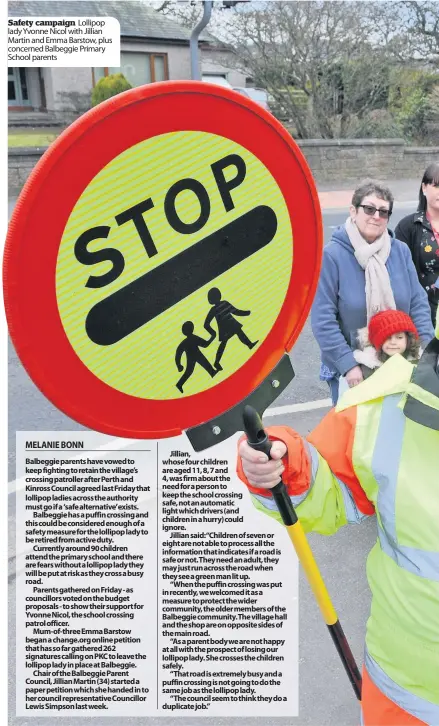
(320,508)
(324,502)
(334,439)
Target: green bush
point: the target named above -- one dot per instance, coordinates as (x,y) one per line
(409,101)
(433,104)
(414,115)
(377,124)
(109,86)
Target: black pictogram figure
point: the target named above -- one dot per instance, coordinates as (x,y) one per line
(223,312)
(191,346)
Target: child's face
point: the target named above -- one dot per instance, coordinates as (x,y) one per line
(397,343)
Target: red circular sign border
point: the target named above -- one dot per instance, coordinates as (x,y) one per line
(205,110)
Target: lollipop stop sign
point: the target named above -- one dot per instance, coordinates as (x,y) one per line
(168,244)
(153,292)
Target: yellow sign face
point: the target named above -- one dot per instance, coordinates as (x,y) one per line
(174,265)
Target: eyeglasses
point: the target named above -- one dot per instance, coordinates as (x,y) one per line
(370,210)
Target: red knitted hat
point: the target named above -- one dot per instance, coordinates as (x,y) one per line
(388,322)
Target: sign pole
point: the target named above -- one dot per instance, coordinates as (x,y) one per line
(195,65)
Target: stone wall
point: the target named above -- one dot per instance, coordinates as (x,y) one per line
(335,161)
(345,160)
(21,161)
(415,161)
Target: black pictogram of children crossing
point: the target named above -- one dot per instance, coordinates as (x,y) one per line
(222,313)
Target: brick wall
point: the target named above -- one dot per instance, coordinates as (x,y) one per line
(346,160)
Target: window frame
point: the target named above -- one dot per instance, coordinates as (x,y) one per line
(151,57)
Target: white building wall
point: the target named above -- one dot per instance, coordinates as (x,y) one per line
(33,87)
(221,63)
(70,89)
(48,88)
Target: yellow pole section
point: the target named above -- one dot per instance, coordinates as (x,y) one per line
(306,558)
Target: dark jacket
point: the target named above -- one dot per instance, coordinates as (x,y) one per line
(339,307)
(415,230)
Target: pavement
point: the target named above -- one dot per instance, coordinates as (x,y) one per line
(405,192)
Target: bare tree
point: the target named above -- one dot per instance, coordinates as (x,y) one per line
(188,12)
(326,65)
(315,59)
(424,28)
(408,29)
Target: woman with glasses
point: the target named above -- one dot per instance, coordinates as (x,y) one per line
(364,270)
(420,231)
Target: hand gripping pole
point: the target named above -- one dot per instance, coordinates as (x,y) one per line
(258,439)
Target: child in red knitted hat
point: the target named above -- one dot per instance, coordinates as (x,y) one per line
(389,332)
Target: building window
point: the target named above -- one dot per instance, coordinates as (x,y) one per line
(18,93)
(159,66)
(138,68)
(98,73)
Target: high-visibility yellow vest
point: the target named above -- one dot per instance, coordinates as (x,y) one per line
(396,460)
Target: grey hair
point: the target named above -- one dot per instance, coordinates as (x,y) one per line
(372,187)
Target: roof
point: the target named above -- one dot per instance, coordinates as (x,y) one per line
(136,18)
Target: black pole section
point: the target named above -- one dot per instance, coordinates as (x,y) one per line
(346,656)
(258,440)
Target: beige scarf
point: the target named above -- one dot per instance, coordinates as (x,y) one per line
(372,258)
